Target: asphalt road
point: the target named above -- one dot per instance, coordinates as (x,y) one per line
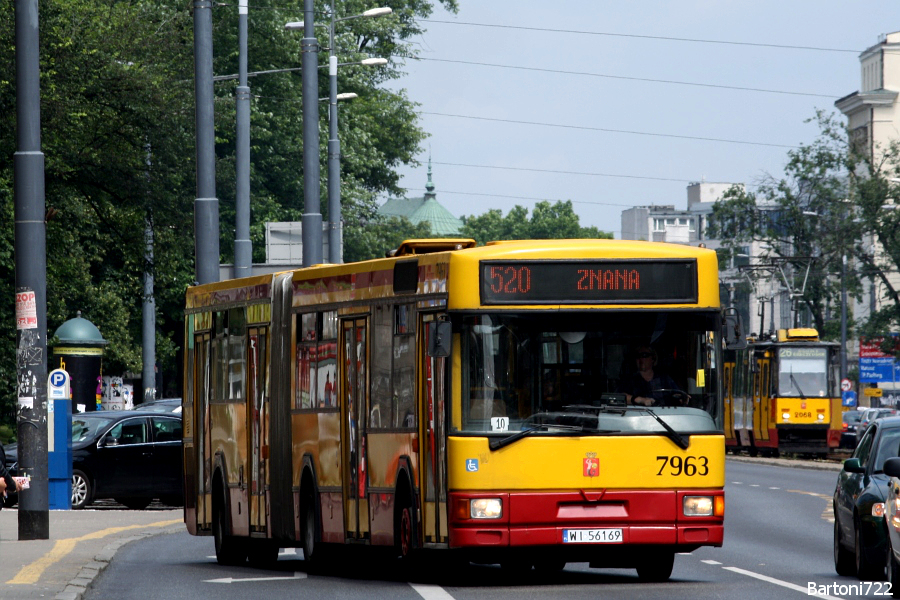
(778,541)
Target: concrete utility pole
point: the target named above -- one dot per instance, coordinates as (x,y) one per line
(148,319)
(312,216)
(206,205)
(31,279)
(243,250)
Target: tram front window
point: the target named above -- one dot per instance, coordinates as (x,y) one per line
(529,369)
(803,372)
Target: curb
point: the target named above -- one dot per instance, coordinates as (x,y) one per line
(789,463)
(77,587)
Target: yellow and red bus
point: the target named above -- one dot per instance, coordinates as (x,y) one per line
(461,399)
(782,395)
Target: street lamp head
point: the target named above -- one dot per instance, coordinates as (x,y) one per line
(346,96)
(373,62)
(377,12)
(294,25)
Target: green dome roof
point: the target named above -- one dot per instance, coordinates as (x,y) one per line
(80,332)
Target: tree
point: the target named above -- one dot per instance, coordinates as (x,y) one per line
(117,112)
(556,221)
(834,201)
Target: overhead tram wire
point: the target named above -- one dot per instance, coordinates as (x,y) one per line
(646,37)
(560,172)
(511,197)
(623,77)
(606,130)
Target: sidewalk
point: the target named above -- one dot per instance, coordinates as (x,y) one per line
(81,544)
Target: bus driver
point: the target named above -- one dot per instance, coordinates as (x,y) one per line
(647,387)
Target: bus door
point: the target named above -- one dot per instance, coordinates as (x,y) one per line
(432,449)
(354,392)
(202,389)
(256,405)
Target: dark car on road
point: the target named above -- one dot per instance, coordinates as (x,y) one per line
(851,420)
(860,532)
(131,456)
(869,415)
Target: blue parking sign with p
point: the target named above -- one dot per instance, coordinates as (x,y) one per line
(58,378)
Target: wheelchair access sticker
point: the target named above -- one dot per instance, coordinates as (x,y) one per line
(471,465)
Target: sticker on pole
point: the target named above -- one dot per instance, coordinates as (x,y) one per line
(26,310)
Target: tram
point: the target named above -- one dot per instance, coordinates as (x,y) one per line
(782,395)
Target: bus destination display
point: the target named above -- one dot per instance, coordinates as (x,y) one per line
(658,281)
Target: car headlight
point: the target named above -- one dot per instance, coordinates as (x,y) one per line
(485,508)
(878,509)
(703,506)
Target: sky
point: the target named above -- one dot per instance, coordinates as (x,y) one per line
(590,105)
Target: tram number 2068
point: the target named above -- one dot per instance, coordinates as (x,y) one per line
(688,465)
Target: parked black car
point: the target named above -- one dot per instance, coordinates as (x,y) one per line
(172,405)
(130,456)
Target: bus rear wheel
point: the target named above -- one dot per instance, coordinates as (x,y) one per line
(405,528)
(658,566)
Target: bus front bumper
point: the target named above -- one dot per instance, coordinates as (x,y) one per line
(586,519)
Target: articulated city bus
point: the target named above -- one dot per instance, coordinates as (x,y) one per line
(782,395)
(462,399)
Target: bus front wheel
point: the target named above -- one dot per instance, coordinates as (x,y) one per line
(658,566)
(229,551)
(312,537)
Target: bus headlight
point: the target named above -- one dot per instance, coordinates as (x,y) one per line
(821,417)
(485,508)
(698,506)
(703,506)
(786,416)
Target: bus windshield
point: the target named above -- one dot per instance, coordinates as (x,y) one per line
(523,371)
(803,372)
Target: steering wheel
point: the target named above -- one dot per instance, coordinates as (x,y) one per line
(671,397)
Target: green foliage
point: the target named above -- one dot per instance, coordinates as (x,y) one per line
(556,221)
(117,115)
(835,198)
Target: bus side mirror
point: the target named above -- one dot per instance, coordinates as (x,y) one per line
(734,330)
(440,333)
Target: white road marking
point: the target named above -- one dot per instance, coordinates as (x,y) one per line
(431,592)
(754,485)
(774,488)
(737,482)
(297,575)
(711,562)
(787,584)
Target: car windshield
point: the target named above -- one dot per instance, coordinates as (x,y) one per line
(86,426)
(803,372)
(523,372)
(888,447)
(852,417)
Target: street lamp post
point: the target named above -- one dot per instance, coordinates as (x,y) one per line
(334,145)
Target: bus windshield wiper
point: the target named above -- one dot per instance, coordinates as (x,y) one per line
(501,443)
(678,439)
